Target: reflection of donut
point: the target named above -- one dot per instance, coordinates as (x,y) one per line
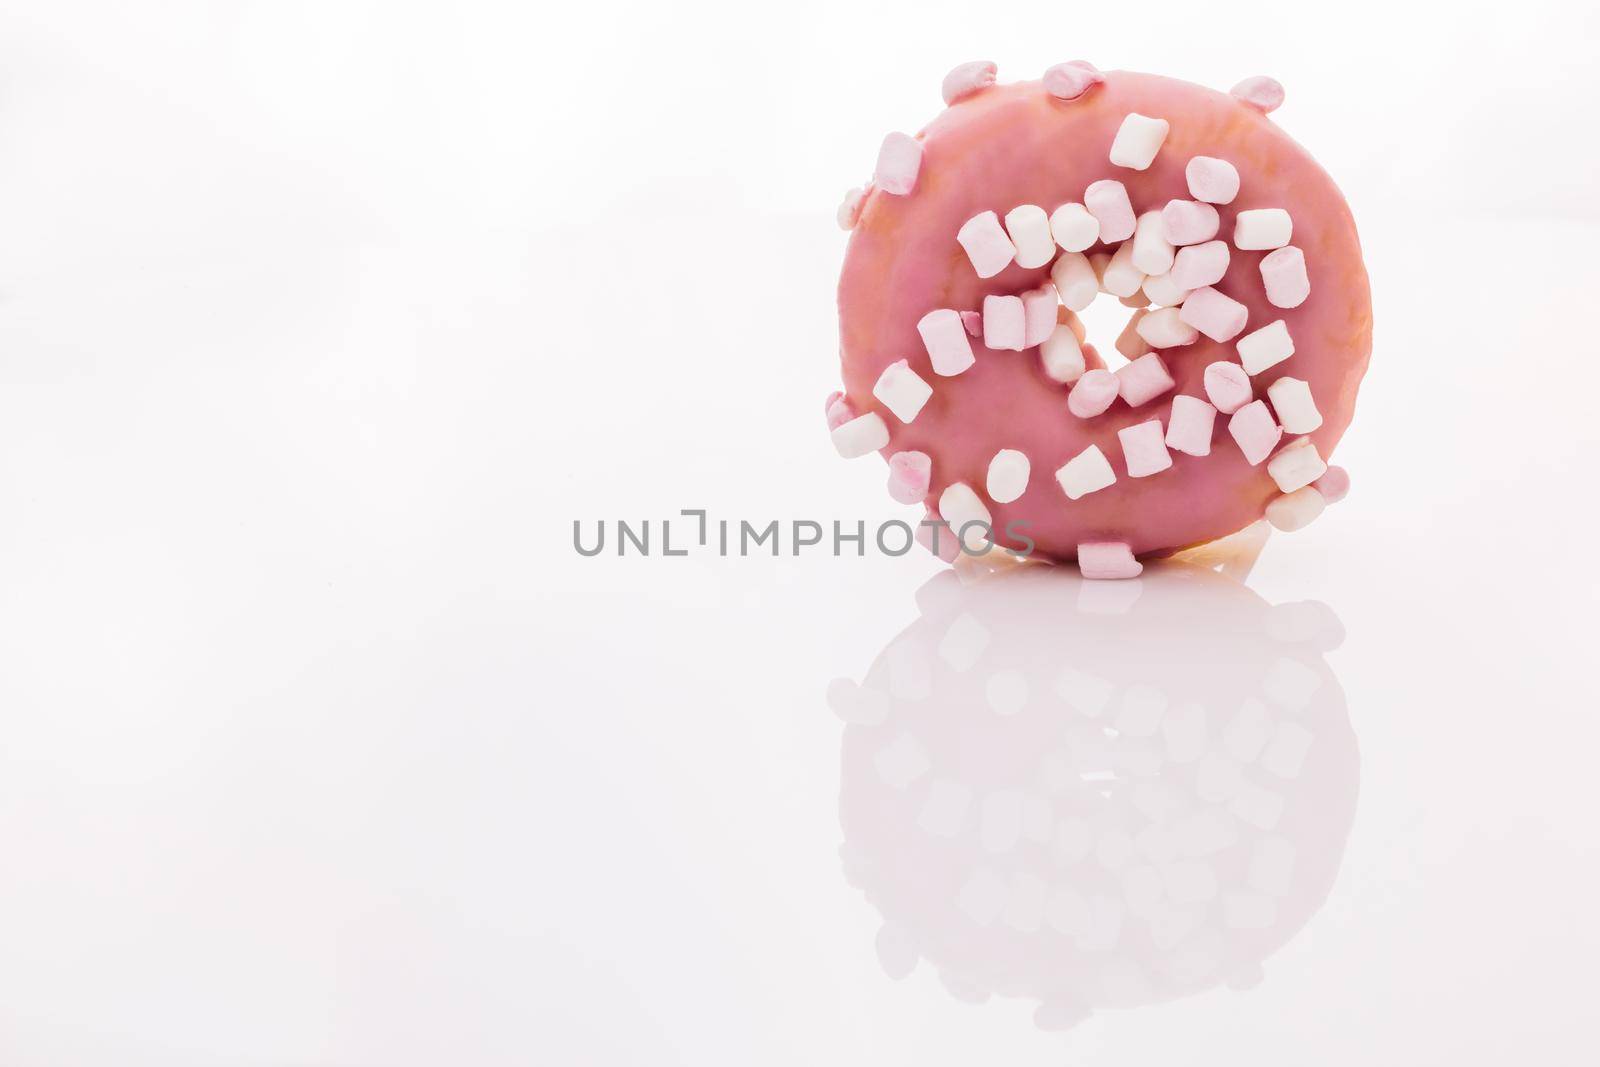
(1096,810)
(1252,330)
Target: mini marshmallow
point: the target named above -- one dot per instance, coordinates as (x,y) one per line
(1008,475)
(850,208)
(861,435)
(1260,92)
(1004,322)
(1073,228)
(1254,431)
(1334,485)
(1068,81)
(1038,314)
(1075,280)
(1212,180)
(902,390)
(1100,261)
(1029,228)
(899,159)
(1295,510)
(1266,347)
(1144,379)
(1138,140)
(964,513)
(944,335)
(1129,342)
(1107,200)
(1283,272)
(1198,265)
(1144,449)
(909,473)
(1293,404)
(1062,355)
(986,243)
(972,322)
(1162,291)
(967,79)
(1152,252)
(1121,277)
(1190,425)
(1087,472)
(1189,222)
(1264,227)
(1228,386)
(1296,465)
(933,535)
(1165,328)
(1093,393)
(1217,316)
(1107,560)
(839,410)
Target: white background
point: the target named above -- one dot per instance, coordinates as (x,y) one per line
(321,322)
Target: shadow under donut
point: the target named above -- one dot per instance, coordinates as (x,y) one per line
(1096,794)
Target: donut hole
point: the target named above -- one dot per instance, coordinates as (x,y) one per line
(1103,322)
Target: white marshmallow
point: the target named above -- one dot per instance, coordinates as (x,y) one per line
(1264,348)
(1295,510)
(1122,278)
(1164,329)
(1073,228)
(1293,404)
(1212,180)
(1296,466)
(1163,292)
(1008,475)
(1266,227)
(1138,140)
(986,244)
(902,390)
(1062,355)
(963,512)
(1075,280)
(861,435)
(1152,252)
(1283,275)
(1087,472)
(1029,229)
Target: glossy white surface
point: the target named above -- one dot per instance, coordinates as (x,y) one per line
(320,324)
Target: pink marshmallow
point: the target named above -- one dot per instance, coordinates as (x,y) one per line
(1283,272)
(972,322)
(909,473)
(1005,323)
(987,244)
(1212,180)
(1107,560)
(839,411)
(1189,222)
(1107,200)
(850,208)
(1252,426)
(1144,379)
(1092,393)
(1260,92)
(1334,485)
(1039,314)
(1228,386)
(1214,314)
(899,159)
(1190,425)
(945,338)
(1200,265)
(945,546)
(1144,449)
(1068,81)
(968,78)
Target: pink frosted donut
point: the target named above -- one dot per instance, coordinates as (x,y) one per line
(1250,259)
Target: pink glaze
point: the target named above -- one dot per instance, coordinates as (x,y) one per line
(1017,144)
